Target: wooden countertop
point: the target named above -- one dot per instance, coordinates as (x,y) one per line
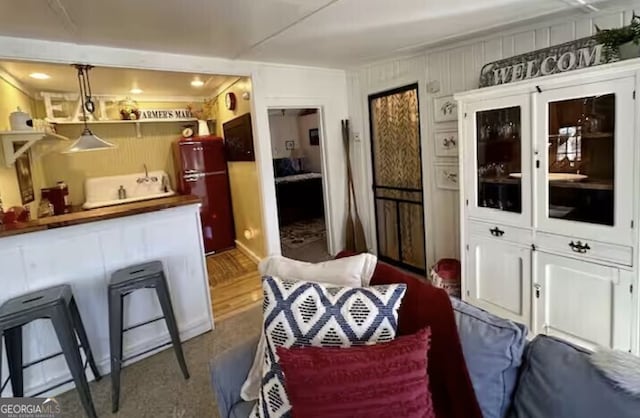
(93,215)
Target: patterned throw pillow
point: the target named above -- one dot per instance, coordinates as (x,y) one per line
(298,314)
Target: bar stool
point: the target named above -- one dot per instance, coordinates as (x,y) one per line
(57,304)
(142,276)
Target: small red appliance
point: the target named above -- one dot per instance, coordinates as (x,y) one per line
(57,196)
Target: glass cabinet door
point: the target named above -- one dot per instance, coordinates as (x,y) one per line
(586,158)
(499,153)
(498,185)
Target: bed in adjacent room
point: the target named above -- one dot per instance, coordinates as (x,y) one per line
(299,192)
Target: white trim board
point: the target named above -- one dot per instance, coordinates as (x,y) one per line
(246,251)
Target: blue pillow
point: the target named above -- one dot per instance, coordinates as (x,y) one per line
(493,349)
(559,381)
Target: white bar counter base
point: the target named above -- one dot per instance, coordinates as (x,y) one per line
(85,256)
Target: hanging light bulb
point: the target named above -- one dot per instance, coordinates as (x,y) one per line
(87,141)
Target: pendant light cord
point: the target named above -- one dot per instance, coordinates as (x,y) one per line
(85,91)
(87,140)
(81,85)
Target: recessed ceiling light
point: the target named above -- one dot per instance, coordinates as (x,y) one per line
(135,90)
(40,76)
(197,83)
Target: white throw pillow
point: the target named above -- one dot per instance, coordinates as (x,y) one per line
(622,368)
(310,314)
(354,271)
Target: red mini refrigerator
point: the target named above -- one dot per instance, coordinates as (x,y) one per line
(202,171)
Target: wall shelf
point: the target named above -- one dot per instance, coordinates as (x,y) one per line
(120,121)
(26,139)
(137,123)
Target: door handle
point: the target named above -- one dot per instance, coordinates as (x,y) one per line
(537,288)
(579,247)
(193,176)
(496,232)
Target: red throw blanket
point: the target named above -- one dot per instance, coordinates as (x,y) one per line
(424,305)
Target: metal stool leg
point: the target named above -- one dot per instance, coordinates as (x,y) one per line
(1,381)
(67,338)
(115,340)
(82,335)
(13,341)
(167,309)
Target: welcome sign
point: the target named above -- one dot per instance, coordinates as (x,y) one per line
(581,53)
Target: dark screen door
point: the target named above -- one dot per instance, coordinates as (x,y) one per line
(397,177)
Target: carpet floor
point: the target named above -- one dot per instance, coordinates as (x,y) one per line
(302,233)
(305,241)
(154,387)
(314,252)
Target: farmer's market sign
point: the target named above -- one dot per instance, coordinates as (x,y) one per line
(581,53)
(165,114)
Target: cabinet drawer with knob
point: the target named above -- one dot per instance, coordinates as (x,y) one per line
(503,232)
(585,248)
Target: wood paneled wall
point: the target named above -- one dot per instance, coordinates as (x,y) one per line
(448,69)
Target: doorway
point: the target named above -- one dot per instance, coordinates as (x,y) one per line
(298,171)
(394,120)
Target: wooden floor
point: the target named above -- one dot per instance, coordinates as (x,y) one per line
(237,285)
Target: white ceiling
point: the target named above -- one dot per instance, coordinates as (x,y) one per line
(334,33)
(114,81)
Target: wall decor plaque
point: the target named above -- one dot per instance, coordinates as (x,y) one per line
(447,176)
(156,114)
(569,56)
(24,176)
(446,143)
(445,109)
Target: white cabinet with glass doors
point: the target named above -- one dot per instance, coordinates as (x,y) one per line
(554,161)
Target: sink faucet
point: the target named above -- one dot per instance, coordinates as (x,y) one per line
(165,184)
(146,178)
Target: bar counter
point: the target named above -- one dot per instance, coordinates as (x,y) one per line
(83,249)
(79,216)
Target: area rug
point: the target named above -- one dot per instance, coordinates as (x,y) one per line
(299,234)
(227,266)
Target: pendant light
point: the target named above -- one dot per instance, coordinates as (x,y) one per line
(87,141)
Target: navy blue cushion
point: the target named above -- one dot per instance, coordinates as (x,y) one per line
(559,381)
(493,349)
(283,167)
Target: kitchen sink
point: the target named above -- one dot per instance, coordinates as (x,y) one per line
(104,191)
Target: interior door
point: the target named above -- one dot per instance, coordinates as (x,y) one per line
(397,177)
(498,278)
(497,165)
(585,303)
(584,160)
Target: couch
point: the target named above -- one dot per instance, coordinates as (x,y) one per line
(544,378)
